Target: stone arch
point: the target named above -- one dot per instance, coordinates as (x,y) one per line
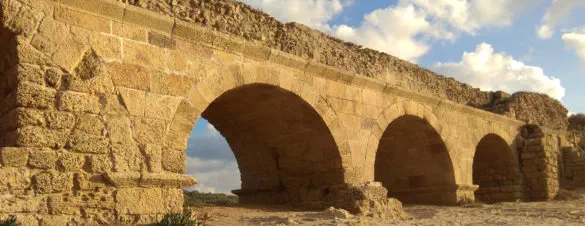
(496,170)
(290,175)
(474,139)
(412,159)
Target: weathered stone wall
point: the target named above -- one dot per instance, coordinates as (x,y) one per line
(577,122)
(573,168)
(532,108)
(540,158)
(238,19)
(105,96)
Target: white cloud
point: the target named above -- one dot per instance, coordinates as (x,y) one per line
(313,13)
(471,15)
(491,71)
(396,31)
(216,176)
(557,11)
(576,41)
(211,161)
(405,30)
(408,29)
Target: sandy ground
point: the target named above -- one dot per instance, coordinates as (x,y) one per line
(512,213)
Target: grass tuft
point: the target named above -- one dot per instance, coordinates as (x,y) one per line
(10,221)
(178,219)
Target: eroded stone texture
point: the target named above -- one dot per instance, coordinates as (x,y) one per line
(98,99)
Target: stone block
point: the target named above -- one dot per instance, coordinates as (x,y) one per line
(14,178)
(129,76)
(90,124)
(189,31)
(80,19)
(56,220)
(28,73)
(174,161)
(53,78)
(161,107)
(124,179)
(50,34)
(119,129)
(144,55)
(99,84)
(35,96)
(41,137)
(134,100)
(26,21)
(59,119)
(129,31)
(52,182)
(178,62)
(22,204)
(29,117)
(70,53)
(148,200)
(87,143)
(173,85)
(107,8)
(78,102)
(100,164)
(113,105)
(127,157)
(161,40)
(106,46)
(71,161)
(149,131)
(256,51)
(43,158)
(153,157)
(185,118)
(167,180)
(14,157)
(147,18)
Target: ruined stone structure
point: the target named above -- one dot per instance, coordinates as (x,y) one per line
(98,99)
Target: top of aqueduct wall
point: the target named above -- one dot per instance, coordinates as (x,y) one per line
(237,28)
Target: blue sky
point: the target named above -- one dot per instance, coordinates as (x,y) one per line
(510,45)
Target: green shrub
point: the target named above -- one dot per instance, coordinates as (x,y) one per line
(178,219)
(11,221)
(195,198)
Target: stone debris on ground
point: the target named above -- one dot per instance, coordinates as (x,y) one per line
(571,212)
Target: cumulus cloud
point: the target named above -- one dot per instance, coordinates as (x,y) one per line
(211,161)
(575,41)
(408,29)
(492,71)
(400,37)
(313,13)
(471,15)
(215,176)
(557,11)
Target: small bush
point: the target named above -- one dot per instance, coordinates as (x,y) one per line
(195,198)
(11,221)
(178,219)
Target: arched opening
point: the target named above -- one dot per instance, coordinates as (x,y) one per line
(496,171)
(284,150)
(413,163)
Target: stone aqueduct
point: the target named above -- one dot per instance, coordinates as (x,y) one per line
(99,98)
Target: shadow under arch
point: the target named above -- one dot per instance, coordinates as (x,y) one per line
(284,149)
(496,170)
(413,163)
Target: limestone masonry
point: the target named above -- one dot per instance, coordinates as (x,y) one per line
(98,98)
